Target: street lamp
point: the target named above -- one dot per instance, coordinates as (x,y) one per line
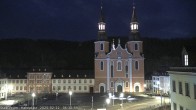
(33,95)
(108,101)
(161,95)
(70,93)
(121,96)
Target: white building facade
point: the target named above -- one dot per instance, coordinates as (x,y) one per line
(161,83)
(183,88)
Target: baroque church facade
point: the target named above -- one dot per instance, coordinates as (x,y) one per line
(119,69)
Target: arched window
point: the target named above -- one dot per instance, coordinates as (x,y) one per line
(101,46)
(136,65)
(119,66)
(186,61)
(101,65)
(126,71)
(136,46)
(127,84)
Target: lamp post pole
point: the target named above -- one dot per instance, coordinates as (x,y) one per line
(121,96)
(33,95)
(113,98)
(70,93)
(92,103)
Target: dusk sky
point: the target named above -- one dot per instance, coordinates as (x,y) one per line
(77,19)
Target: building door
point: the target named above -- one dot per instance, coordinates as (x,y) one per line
(119,88)
(91,90)
(136,88)
(101,89)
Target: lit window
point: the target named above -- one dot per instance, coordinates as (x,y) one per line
(127,84)
(186,62)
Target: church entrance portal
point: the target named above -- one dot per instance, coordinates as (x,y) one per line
(136,88)
(101,89)
(119,88)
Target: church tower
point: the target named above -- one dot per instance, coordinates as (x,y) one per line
(101,49)
(135,47)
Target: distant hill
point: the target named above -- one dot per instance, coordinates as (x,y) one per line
(59,54)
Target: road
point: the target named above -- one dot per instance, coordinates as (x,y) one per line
(84,102)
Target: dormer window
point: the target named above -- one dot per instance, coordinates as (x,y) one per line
(186,61)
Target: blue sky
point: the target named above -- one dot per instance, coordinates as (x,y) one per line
(77,19)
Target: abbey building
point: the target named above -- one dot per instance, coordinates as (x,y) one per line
(116,69)
(119,69)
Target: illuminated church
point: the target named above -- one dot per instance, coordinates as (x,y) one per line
(119,69)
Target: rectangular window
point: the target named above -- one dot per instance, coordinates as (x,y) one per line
(25,88)
(21,81)
(59,81)
(90,81)
(136,46)
(101,65)
(101,46)
(54,87)
(16,87)
(69,81)
(85,81)
(174,105)
(64,81)
(54,81)
(74,81)
(59,87)
(74,87)
(136,65)
(187,89)
(64,87)
(174,86)
(20,87)
(79,81)
(17,81)
(85,87)
(195,91)
(79,87)
(112,71)
(181,108)
(180,87)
